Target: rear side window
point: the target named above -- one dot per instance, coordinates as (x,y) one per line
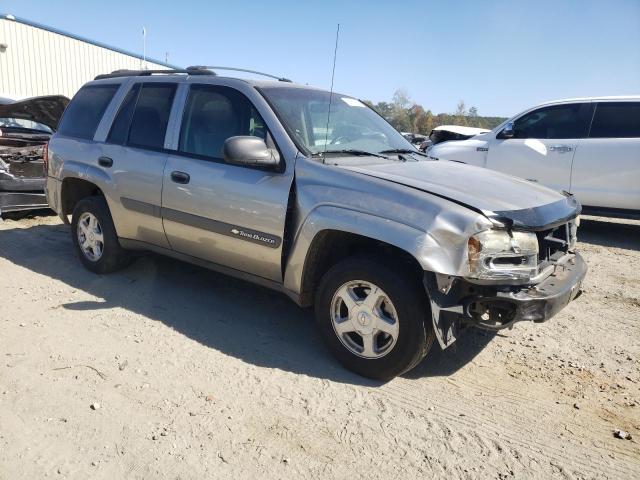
(616,120)
(83,114)
(151,115)
(558,121)
(120,129)
(213,114)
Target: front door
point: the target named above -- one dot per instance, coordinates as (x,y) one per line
(543,145)
(227,214)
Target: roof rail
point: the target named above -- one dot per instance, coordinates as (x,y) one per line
(144,73)
(211,67)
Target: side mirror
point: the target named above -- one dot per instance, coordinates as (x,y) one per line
(507,131)
(249,151)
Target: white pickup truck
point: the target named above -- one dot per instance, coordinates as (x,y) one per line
(589,147)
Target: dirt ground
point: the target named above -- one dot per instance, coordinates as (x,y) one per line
(169,371)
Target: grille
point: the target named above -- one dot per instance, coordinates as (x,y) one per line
(554,244)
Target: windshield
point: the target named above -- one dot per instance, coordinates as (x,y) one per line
(22,123)
(352,125)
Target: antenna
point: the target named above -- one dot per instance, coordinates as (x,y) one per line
(144,48)
(333,74)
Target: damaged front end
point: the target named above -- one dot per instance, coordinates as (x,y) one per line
(25,129)
(533,281)
(22,178)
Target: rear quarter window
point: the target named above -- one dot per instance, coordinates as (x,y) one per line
(83,114)
(616,120)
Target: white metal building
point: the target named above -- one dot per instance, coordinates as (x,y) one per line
(39,60)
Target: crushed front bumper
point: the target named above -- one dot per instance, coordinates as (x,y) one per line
(455,301)
(536,303)
(16,201)
(21,193)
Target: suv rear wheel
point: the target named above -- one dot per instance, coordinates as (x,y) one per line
(374,318)
(94,236)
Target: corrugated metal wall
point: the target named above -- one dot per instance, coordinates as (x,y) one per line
(40,62)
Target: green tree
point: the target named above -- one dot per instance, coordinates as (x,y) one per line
(424,123)
(408,116)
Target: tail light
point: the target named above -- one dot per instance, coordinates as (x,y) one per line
(45,159)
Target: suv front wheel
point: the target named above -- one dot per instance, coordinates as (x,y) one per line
(375,319)
(94,236)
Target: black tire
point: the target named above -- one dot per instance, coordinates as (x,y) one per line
(405,291)
(113,257)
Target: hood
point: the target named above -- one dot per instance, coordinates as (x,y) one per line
(502,197)
(45,110)
(470,131)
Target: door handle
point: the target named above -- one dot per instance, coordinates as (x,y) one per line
(180,177)
(105,161)
(561,148)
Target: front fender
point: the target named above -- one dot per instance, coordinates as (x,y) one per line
(429,253)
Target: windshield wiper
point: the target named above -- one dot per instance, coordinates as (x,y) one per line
(404,150)
(359,153)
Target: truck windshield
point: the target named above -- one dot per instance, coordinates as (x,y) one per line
(21,123)
(352,126)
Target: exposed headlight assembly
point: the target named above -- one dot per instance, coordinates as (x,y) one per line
(502,255)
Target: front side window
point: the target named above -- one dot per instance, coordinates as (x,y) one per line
(616,120)
(151,115)
(212,114)
(350,125)
(83,114)
(558,121)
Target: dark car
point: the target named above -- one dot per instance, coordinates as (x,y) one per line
(25,129)
(415,138)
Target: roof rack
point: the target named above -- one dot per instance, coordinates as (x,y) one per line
(193,70)
(144,73)
(211,67)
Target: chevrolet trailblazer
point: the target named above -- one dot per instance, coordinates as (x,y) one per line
(314,195)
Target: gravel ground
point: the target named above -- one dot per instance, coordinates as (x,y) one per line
(165,370)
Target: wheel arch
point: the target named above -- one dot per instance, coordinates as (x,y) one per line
(330,234)
(74,189)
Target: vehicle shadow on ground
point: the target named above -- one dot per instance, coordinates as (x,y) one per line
(609,234)
(237,318)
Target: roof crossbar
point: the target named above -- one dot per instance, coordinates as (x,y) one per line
(212,67)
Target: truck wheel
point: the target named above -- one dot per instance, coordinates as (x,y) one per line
(374,318)
(94,236)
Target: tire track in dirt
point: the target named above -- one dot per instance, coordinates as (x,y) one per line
(525,425)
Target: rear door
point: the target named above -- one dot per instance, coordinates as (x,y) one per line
(134,157)
(606,170)
(544,143)
(227,214)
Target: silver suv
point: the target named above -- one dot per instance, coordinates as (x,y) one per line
(314,195)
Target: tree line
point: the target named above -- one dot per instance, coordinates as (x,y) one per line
(407,116)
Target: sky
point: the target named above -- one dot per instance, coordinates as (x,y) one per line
(497,55)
